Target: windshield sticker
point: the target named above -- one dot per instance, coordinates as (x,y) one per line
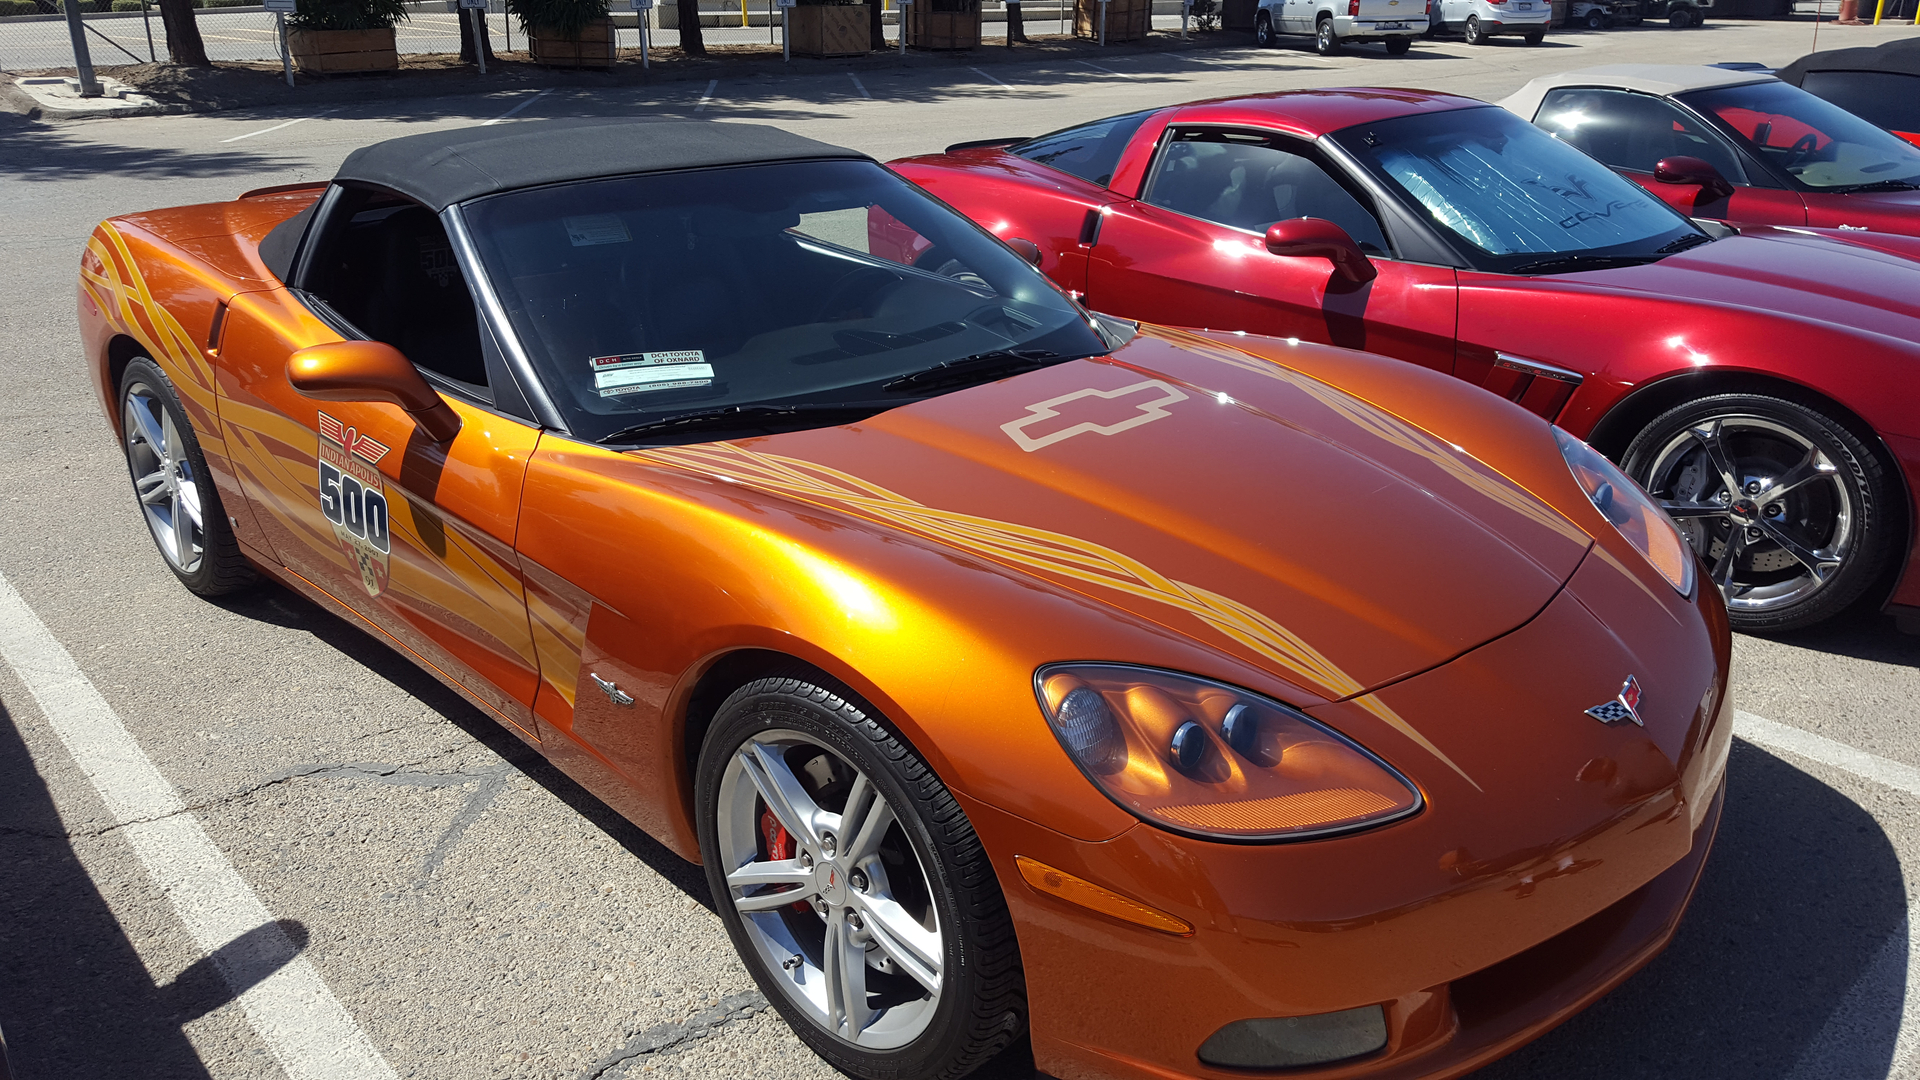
(588,230)
(354,500)
(1149,410)
(638,373)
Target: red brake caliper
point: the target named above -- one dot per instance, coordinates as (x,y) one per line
(780,845)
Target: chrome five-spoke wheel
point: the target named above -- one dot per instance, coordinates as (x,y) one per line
(175,492)
(1781,504)
(853,885)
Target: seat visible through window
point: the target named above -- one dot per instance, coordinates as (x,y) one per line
(1248,182)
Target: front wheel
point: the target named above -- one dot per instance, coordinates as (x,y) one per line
(1787,509)
(1325,41)
(175,491)
(1398,46)
(1475,36)
(854,887)
(1263,34)
(1596,20)
(1679,20)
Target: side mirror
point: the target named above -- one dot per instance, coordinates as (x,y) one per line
(1026,249)
(1684,169)
(371,371)
(1318,238)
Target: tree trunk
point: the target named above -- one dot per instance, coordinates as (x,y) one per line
(183,34)
(691,43)
(1016,28)
(877,27)
(466,39)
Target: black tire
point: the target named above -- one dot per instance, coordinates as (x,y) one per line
(981,1009)
(1474,36)
(1325,41)
(1535,38)
(1263,34)
(1398,46)
(1847,513)
(219,567)
(1596,19)
(1679,20)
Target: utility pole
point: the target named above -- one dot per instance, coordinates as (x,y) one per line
(82,60)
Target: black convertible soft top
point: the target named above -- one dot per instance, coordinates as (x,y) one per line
(441,168)
(1901,55)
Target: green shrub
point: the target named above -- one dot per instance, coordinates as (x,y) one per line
(126,5)
(346,14)
(19,7)
(562,17)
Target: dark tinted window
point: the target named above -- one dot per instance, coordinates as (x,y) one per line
(1822,146)
(1252,181)
(1090,151)
(1886,98)
(1633,131)
(808,283)
(1511,191)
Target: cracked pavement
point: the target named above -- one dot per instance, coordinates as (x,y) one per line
(478,914)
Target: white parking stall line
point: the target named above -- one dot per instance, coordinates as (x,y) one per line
(1887,773)
(515,111)
(283,997)
(860,86)
(1108,70)
(277,127)
(712,85)
(990,78)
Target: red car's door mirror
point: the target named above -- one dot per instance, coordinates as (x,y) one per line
(371,371)
(1026,249)
(1318,238)
(1685,169)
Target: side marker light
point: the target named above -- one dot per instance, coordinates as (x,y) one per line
(1045,879)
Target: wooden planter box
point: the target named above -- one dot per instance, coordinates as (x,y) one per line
(1127,20)
(930,29)
(324,52)
(1238,14)
(829,30)
(592,47)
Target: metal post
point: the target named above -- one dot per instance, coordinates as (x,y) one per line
(903,6)
(1103,23)
(82,60)
(286,56)
(146,16)
(480,42)
(786,40)
(1185,7)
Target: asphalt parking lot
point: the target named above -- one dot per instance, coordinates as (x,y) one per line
(458,909)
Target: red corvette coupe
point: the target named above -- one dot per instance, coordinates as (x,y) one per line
(1758,381)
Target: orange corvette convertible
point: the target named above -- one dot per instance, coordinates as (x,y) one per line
(1185,703)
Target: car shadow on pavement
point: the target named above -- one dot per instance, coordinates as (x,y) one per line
(277,605)
(1789,962)
(1862,633)
(75,996)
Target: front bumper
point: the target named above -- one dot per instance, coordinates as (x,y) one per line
(1517,898)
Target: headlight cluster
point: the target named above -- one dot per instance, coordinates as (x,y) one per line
(1639,518)
(1209,760)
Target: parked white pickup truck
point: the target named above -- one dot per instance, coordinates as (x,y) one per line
(1333,23)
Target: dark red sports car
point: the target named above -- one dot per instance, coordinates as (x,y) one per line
(1758,381)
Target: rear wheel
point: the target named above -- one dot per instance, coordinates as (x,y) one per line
(1786,508)
(174,489)
(1263,34)
(1325,41)
(1699,17)
(1536,37)
(1474,34)
(1679,20)
(854,887)
(1596,20)
(1398,46)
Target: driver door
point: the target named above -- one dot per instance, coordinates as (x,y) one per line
(413,535)
(1191,252)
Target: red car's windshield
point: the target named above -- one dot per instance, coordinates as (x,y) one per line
(1820,145)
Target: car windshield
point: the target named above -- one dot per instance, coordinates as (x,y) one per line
(1519,198)
(1820,145)
(802,286)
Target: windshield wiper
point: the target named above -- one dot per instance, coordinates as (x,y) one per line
(1685,243)
(1877,185)
(1581,262)
(750,417)
(978,367)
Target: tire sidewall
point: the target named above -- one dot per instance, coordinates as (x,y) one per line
(1474,36)
(142,371)
(1325,41)
(1263,34)
(1865,477)
(762,707)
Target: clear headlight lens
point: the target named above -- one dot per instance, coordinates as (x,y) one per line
(1639,518)
(1210,760)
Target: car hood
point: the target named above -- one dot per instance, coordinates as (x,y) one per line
(1226,497)
(1866,284)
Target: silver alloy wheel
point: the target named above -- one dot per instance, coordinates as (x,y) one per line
(164,479)
(857,958)
(1763,507)
(1327,41)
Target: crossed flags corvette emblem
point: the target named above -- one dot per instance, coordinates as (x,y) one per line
(1626,706)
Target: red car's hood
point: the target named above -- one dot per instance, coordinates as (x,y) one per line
(1862,283)
(1232,500)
